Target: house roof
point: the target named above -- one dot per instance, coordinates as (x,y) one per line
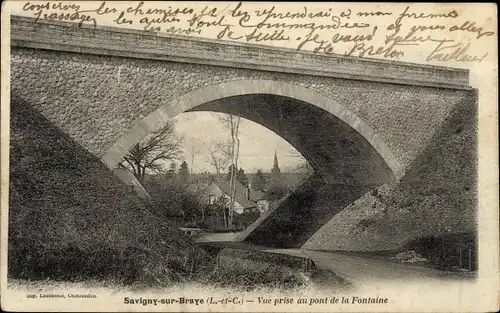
(198,187)
(257,195)
(240,193)
(290,179)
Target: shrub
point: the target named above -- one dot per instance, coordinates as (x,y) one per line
(443,251)
(173,198)
(250,269)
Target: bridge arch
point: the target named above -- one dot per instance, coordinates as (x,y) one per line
(218,97)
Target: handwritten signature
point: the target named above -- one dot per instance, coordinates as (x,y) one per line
(456,52)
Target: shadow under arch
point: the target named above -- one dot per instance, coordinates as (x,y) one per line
(337,143)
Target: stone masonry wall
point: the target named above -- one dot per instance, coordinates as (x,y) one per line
(437,196)
(97,99)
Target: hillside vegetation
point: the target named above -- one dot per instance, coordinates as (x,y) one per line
(71,219)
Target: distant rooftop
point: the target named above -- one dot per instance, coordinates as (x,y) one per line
(240,193)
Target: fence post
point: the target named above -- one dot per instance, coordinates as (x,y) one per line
(470,260)
(459,257)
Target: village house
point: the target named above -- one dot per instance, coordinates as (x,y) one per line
(260,198)
(209,193)
(246,208)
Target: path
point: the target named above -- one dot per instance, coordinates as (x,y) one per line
(362,270)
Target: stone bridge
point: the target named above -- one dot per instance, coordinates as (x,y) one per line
(361,123)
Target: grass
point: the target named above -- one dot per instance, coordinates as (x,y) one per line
(192,288)
(293,262)
(71,219)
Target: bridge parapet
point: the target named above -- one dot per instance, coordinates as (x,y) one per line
(102,40)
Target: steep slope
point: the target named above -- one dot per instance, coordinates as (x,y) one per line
(70,218)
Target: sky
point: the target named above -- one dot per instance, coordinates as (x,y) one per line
(257,143)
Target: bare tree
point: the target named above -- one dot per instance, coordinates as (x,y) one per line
(150,154)
(196,146)
(218,155)
(232,123)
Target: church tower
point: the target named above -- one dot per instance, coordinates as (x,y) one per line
(276,179)
(276,168)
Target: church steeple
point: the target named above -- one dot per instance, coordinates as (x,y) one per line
(276,167)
